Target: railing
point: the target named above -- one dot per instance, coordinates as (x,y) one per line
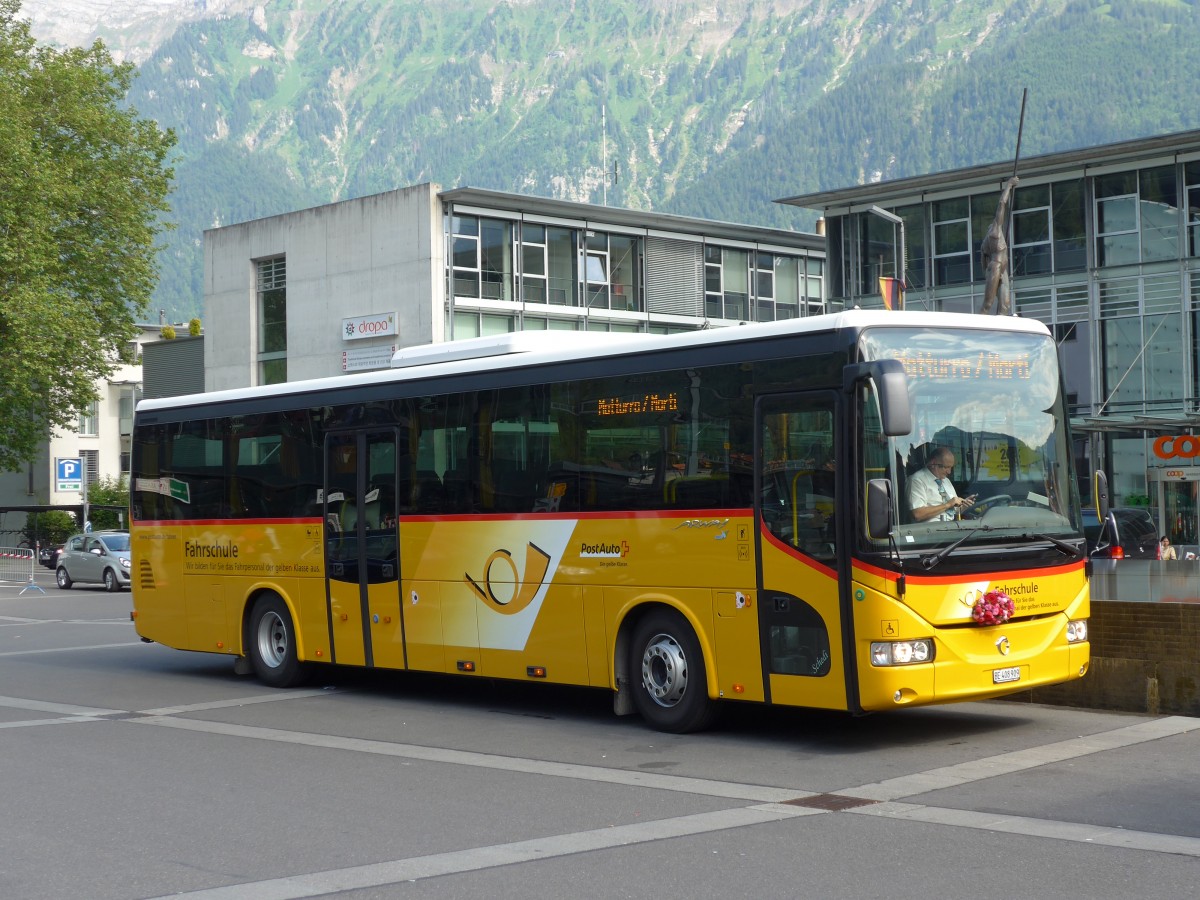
(16,567)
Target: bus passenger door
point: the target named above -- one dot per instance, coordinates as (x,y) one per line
(797,505)
(362,561)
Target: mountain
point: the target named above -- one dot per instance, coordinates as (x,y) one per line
(703,109)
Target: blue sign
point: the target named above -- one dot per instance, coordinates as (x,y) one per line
(68,475)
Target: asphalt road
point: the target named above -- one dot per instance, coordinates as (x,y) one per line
(130,770)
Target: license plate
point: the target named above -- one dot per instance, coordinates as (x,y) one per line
(1002,676)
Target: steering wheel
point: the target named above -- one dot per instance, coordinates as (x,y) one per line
(986,503)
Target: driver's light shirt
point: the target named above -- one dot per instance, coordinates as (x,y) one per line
(926,490)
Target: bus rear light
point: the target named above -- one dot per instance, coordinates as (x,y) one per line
(1077,631)
(902,653)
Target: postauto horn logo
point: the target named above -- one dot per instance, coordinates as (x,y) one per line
(503,589)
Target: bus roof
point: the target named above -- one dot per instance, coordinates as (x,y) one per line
(529,348)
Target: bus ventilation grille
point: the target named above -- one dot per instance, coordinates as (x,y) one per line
(146,575)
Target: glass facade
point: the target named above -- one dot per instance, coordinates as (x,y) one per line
(1108,260)
(511,274)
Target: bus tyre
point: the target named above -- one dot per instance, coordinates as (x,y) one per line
(271,643)
(670,686)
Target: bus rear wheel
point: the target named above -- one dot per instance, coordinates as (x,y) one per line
(670,685)
(271,643)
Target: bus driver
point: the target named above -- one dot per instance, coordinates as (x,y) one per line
(931,495)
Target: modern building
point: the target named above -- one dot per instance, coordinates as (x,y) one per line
(1105,249)
(340,287)
(101,442)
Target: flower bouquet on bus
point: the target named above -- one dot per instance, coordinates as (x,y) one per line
(993,608)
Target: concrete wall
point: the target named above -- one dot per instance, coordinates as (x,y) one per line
(378,254)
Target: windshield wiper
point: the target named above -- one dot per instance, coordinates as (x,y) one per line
(928,562)
(1069,549)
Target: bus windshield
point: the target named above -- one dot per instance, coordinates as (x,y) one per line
(988,457)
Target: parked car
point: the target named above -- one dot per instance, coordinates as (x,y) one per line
(1136,537)
(49,555)
(101,557)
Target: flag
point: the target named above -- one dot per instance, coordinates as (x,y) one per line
(892,290)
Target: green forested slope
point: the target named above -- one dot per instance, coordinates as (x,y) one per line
(712,110)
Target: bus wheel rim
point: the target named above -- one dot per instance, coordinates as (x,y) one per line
(272,639)
(664,670)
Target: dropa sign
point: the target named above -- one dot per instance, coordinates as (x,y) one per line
(376,325)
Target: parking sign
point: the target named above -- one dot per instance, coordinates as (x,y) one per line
(68,475)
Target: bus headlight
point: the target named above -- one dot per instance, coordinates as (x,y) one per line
(1077,631)
(901,653)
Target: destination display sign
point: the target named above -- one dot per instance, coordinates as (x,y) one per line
(984,365)
(635,406)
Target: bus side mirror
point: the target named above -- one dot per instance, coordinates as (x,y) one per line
(879,508)
(1100,494)
(891,383)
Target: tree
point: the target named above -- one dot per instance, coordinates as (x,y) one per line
(83,188)
(51,528)
(108,492)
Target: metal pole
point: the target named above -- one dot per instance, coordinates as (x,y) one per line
(83,460)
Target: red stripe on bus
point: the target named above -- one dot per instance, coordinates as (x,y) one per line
(914,578)
(793,552)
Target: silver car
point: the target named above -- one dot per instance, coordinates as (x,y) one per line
(101,557)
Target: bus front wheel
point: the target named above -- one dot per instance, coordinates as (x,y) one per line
(670,686)
(272,643)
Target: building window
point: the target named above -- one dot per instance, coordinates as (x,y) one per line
(1159,204)
(726,283)
(786,282)
(916,276)
(1070,228)
(272,321)
(533,263)
(125,407)
(1031,245)
(1191,174)
(482,253)
(952,241)
(90,460)
(1137,216)
(613,271)
(878,243)
(815,295)
(469,324)
(89,420)
(562,263)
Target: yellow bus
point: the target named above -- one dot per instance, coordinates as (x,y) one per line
(688,519)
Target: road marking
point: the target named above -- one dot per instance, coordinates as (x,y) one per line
(724,789)
(63,709)
(769,803)
(272,697)
(456,862)
(1044,828)
(1020,760)
(71,649)
(31,723)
